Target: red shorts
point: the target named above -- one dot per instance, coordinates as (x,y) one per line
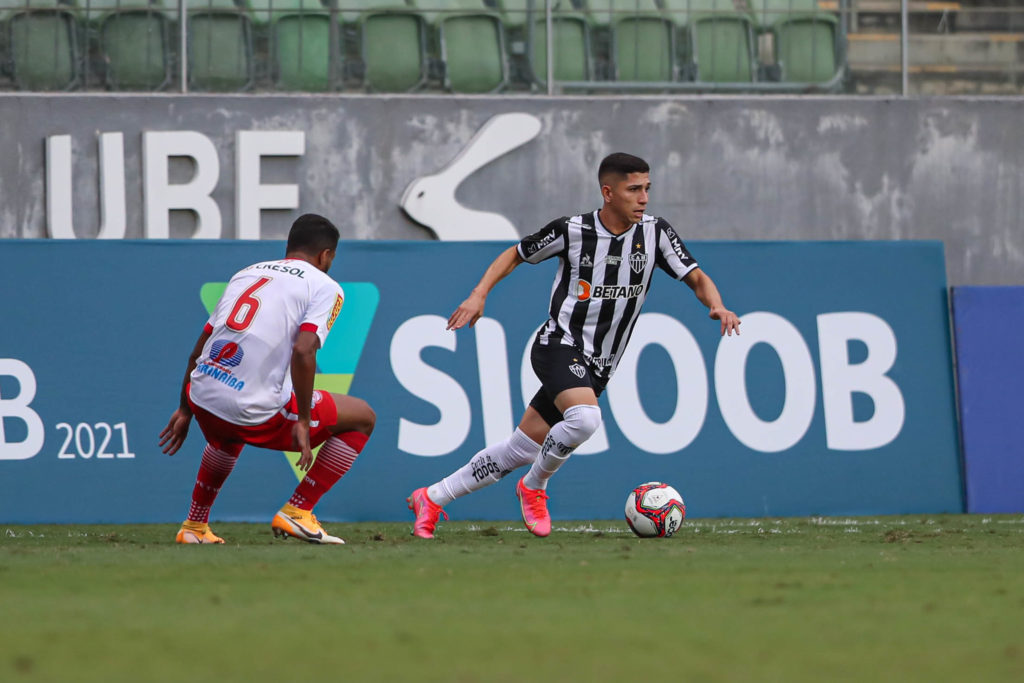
(275,433)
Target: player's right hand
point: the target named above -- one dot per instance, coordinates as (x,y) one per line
(300,439)
(469,311)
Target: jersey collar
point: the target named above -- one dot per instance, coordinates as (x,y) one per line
(599,224)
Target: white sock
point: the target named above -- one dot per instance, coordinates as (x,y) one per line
(578,424)
(485,468)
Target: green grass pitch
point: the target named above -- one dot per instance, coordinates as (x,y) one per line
(916,598)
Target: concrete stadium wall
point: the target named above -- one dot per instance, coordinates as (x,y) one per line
(729,168)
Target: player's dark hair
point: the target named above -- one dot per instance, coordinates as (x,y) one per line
(620,164)
(311,234)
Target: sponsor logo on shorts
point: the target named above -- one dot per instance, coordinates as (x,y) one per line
(578,370)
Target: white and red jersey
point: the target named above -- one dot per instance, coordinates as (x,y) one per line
(244,372)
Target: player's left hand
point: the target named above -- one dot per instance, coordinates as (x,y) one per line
(730,321)
(300,438)
(173,435)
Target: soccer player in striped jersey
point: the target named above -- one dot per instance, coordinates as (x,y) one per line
(606,260)
(250,381)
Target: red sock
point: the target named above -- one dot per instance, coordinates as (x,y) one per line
(215,467)
(332,462)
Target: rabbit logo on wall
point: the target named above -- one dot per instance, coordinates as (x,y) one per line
(430,200)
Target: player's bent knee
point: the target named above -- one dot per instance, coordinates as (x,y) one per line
(354,415)
(582,421)
(371,419)
(362,417)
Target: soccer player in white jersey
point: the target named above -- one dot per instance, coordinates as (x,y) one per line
(250,381)
(606,259)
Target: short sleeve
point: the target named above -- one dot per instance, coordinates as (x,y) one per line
(322,312)
(673,256)
(547,242)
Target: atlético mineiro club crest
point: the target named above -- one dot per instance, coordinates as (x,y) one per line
(637,261)
(577,370)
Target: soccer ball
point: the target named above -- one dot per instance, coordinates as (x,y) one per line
(654,509)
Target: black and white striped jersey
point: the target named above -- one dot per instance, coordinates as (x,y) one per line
(602,280)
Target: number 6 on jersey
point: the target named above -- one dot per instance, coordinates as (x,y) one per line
(245,309)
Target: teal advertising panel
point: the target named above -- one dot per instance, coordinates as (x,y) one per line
(836,399)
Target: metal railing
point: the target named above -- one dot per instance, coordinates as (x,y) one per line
(482,46)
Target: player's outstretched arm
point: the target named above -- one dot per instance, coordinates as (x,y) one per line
(173,435)
(303,373)
(470,310)
(707,293)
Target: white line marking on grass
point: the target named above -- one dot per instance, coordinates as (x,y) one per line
(728,527)
(839,521)
(11,533)
(589,528)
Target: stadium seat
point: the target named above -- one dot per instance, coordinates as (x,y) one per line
(471,44)
(571,38)
(43,44)
(806,39)
(718,40)
(134,42)
(392,40)
(642,39)
(299,34)
(220,46)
